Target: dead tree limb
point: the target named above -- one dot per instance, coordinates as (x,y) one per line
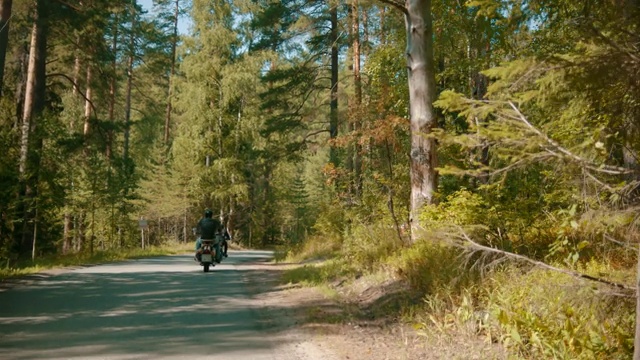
(541,264)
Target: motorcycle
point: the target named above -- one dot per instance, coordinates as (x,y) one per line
(207,254)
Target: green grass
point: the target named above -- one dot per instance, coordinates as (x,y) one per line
(319,274)
(315,247)
(26,267)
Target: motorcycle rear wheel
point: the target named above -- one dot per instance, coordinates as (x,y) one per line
(206,267)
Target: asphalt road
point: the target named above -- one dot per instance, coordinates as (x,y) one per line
(157,308)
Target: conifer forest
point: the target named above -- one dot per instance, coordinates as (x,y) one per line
(486,151)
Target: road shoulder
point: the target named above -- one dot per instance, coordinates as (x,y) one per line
(320,325)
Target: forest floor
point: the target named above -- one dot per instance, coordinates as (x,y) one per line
(358,320)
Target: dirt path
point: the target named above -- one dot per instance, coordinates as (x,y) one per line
(152,308)
(322,327)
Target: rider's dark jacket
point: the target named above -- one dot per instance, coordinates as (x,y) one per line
(208,228)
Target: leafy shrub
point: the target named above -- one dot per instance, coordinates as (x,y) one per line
(331,219)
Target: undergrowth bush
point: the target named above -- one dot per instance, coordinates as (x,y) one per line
(318,246)
(319,274)
(432,267)
(541,314)
(367,246)
(535,314)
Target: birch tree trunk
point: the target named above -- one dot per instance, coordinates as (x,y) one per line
(21,86)
(5,16)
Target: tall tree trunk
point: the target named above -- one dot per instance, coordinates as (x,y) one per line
(66,240)
(21,86)
(34,103)
(127,110)
(364,46)
(479,84)
(87,104)
(35,233)
(76,73)
(220,124)
(636,342)
(333,116)
(383,14)
(112,87)
(174,43)
(422,93)
(86,129)
(5,16)
(357,84)
(80,232)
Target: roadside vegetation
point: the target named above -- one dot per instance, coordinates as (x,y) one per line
(27,267)
(447,289)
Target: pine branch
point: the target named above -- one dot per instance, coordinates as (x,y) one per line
(314,133)
(609,169)
(77,87)
(613,44)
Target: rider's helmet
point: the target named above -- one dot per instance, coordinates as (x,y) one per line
(208,213)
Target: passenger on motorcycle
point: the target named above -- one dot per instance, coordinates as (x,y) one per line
(224,244)
(208,228)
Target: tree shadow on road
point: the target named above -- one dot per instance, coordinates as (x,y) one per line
(162,306)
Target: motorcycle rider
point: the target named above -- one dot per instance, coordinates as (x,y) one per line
(225,245)
(208,228)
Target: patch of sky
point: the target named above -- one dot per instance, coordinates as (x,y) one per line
(184,20)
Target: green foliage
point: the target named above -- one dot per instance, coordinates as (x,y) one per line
(318,274)
(433,268)
(365,246)
(315,247)
(545,315)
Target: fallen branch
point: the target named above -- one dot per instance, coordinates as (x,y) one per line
(621,243)
(543,265)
